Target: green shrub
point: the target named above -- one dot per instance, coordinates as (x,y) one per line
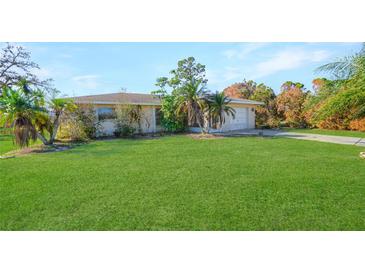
(79,125)
(123,130)
(170,121)
(126,118)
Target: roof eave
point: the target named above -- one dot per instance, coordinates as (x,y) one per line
(247,103)
(116,103)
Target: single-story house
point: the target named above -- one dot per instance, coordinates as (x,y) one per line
(105,104)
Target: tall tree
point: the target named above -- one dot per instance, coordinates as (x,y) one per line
(187,70)
(265,115)
(191,100)
(290,103)
(322,90)
(242,90)
(183,91)
(16,65)
(57,106)
(347,103)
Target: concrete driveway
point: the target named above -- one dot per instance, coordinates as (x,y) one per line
(302,136)
(324,138)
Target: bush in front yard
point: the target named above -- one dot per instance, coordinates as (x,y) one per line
(79,125)
(123,130)
(358,124)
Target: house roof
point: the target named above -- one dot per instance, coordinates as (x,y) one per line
(119,98)
(138,99)
(245,101)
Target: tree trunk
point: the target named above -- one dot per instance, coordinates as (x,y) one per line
(42,138)
(200,126)
(221,120)
(197,117)
(190,118)
(206,122)
(56,125)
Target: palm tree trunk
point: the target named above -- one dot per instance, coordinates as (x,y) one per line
(206,119)
(56,125)
(200,125)
(190,118)
(42,138)
(198,117)
(221,119)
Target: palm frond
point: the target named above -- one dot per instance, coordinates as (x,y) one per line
(19,108)
(345,67)
(219,107)
(341,69)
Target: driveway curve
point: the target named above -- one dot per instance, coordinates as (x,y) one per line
(302,136)
(324,138)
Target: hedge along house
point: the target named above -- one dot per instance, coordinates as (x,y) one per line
(105,105)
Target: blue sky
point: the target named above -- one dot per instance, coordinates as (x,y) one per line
(93,68)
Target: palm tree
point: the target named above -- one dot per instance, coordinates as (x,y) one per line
(346,67)
(58,106)
(48,123)
(26,111)
(191,101)
(219,108)
(19,108)
(349,99)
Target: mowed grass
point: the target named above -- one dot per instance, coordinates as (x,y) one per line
(346,133)
(6,143)
(178,183)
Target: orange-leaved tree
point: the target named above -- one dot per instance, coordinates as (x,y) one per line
(290,104)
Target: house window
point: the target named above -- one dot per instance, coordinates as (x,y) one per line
(158,115)
(106,113)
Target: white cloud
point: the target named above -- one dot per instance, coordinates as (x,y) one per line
(221,76)
(320,55)
(288,59)
(282,60)
(90,81)
(55,71)
(231,73)
(242,51)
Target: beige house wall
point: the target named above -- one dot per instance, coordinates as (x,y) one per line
(148,123)
(245,119)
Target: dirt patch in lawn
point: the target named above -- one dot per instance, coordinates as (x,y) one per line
(57,147)
(204,136)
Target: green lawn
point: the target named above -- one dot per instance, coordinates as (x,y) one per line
(177,183)
(6,143)
(347,133)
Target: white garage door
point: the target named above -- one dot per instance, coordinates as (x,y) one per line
(240,121)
